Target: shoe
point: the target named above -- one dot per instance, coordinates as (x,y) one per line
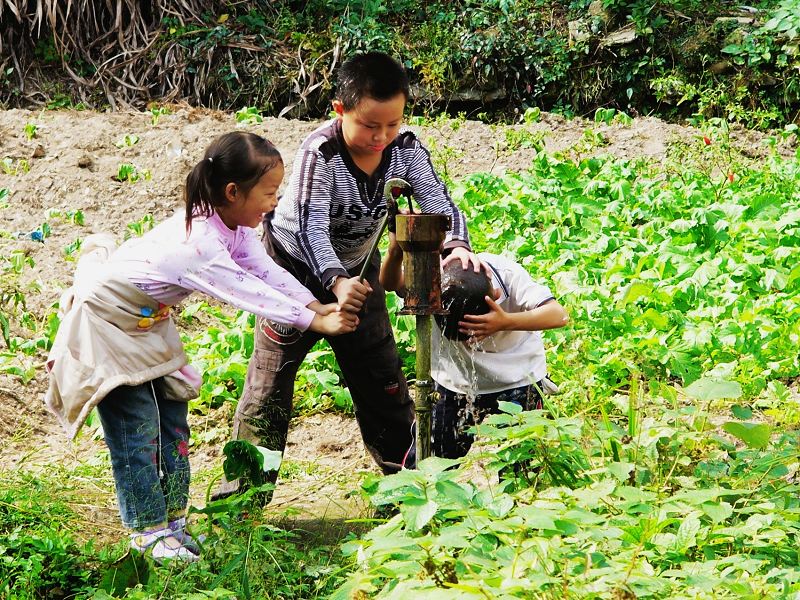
(178,528)
(162,545)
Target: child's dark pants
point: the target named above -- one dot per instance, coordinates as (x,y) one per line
(454,414)
(367,357)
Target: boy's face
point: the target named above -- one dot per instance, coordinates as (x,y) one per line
(371,125)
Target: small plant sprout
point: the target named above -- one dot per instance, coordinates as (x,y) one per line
(131,173)
(612,115)
(532,114)
(30,130)
(75,217)
(127,141)
(73,249)
(9,166)
(248,115)
(156,112)
(3,197)
(140,227)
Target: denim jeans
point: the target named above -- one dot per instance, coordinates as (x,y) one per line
(453,415)
(148,439)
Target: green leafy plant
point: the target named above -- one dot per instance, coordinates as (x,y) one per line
(128,140)
(131,173)
(156,112)
(140,227)
(248,115)
(10,166)
(30,130)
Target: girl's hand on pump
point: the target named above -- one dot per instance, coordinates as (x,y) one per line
(335,322)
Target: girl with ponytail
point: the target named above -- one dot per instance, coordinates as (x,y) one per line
(118,349)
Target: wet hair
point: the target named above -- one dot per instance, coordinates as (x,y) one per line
(371,75)
(237,157)
(463,293)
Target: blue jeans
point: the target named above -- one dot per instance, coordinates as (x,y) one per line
(453,415)
(148,439)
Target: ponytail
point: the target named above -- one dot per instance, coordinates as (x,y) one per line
(238,157)
(198,192)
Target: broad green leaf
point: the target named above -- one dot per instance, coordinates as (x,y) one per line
(755,435)
(706,389)
(418,512)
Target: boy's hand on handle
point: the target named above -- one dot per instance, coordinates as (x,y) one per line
(351,293)
(468,259)
(479,327)
(335,322)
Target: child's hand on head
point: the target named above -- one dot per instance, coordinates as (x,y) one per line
(468,259)
(479,327)
(351,293)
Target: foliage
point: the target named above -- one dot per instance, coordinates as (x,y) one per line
(677,58)
(672,511)
(131,173)
(244,557)
(667,275)
(248,115)
(140,227)
(37,555)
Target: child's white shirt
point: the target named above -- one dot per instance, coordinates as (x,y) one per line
(505,360)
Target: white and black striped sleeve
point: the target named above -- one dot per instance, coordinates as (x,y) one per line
(314,183)
(432,196)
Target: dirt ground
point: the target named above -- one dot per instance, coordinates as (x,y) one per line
(73,159)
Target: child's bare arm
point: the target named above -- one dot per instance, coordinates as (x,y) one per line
(549,315)
(391,276)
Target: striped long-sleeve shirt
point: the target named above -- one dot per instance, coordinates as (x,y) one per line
(331,210)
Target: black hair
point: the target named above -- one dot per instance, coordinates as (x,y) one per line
(370,75)
(463,293)
(237,157)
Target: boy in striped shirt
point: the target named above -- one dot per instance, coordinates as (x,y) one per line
(321,232)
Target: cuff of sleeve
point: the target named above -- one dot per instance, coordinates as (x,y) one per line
(452,245)
(303,322)
(306,299)
(329,274)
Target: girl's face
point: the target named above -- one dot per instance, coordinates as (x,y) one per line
(247,210)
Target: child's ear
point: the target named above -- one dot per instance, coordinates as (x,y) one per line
(338,108)
(230,192)
(496,293)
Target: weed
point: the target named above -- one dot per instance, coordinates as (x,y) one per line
(128,140)
(131,173)
(30,130)
(10,166)
(140,227)
(248,115)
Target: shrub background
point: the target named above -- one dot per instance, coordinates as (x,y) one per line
(673,58)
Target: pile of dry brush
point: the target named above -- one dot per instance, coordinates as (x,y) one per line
(131,52)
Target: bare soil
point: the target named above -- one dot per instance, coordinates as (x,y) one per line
(72,161)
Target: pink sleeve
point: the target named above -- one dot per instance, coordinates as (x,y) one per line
(225,280)
(251,256)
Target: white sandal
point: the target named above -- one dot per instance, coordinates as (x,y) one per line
(162,545)
(178,528)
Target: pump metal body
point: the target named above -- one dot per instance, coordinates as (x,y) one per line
(421,237)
